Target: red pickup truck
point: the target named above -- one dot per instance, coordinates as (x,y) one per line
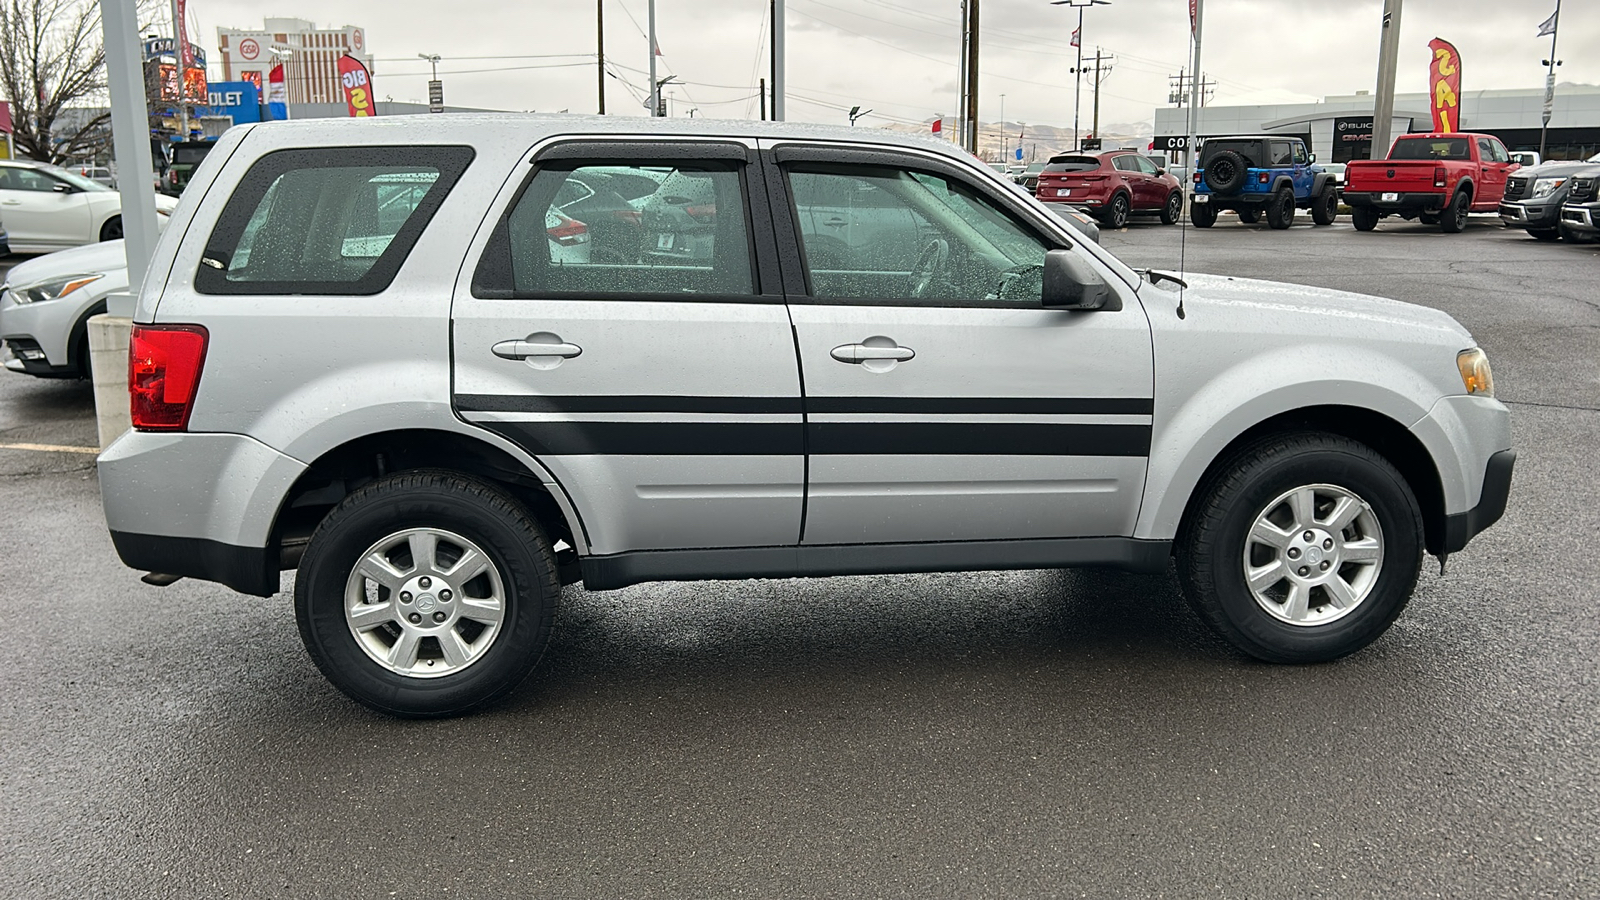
(1437,178)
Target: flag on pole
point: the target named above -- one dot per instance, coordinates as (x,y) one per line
(1549,26)
(1075,42)
(1194,15)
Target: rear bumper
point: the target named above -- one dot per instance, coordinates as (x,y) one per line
(1463,527)
(160,522)
(1530,214)
(1233,201)
(1403,202)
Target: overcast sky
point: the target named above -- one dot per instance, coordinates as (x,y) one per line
(899,57)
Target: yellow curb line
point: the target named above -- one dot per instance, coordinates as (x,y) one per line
(51,448)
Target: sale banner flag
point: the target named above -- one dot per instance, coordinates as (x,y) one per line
(1444,85)
(357,86)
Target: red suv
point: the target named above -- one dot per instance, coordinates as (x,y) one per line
(1111,186)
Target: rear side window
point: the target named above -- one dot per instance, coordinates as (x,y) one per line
(1126,163)
(335,220)
(656,228)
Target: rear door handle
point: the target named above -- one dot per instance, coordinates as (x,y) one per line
(858,353)
(535,346)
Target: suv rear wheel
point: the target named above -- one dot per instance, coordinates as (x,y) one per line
(1280,209)
(1203,215)
(426,594)
(1325,208)
(1116,214)
(1304,548)
(1173,208)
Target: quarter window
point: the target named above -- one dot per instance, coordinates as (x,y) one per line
(650,229)
(880,234)
(327,221)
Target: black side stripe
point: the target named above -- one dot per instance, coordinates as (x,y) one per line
(1104,406)
(786,439)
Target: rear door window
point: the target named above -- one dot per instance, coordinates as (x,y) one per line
(327,221)
(1282,155)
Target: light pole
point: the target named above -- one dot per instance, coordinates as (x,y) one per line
(435,89)
(660,109)
(433,60)
(857,112)
(1005,136)
(1550,77)
(1078,70)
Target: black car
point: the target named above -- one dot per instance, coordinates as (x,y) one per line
(1580,214)
(1534,196)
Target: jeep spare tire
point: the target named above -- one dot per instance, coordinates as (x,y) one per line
(1225,172)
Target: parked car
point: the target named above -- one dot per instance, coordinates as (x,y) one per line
(437,436)
(1580,215)
(1029,176)
(1263,174)
(97,174)
(611,200)
(50,208)
(1077,218)
(1533,196)
(1525,158)
(1438,178)
(186,156)
(46,302)
(1114,185)
(1337,172)
(5,241)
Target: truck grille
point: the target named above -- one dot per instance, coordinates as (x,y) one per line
(1582,190)
(1516,187)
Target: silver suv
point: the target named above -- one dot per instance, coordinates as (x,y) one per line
(361,353)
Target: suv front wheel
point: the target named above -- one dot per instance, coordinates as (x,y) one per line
(426,594)
(1305,548)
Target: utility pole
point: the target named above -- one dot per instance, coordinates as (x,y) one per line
(179,51)
(655,88)
(961,77)
(763,99)
(1196,28)
(1005,136)
(600,49)
(1550,78)
(1099,76)
(972,77)
(778,60)
(1388,54)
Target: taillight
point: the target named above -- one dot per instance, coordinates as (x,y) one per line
(163,371)
(569,232)
(1438,176)
(1262,178)
(703,212)
(1197,178)
(172,175)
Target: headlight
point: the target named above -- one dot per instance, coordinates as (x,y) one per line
(1475,373)
(50,290)
(1544,187)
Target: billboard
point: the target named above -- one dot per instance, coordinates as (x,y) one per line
(239,99)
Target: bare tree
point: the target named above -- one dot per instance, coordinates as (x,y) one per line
(52,64)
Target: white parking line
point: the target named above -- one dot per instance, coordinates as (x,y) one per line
(51,448)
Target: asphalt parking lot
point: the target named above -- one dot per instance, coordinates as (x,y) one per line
(1020,734)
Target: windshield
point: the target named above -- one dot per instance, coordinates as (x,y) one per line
(1431,148)
(74,179)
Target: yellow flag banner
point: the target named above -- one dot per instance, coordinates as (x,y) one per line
(1444,85)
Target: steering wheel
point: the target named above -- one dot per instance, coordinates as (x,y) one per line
(930,265)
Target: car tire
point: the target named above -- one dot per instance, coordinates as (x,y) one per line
(1280,209)
(1202,215)
(1226,172)
(112,229)
(1325,208)
(1364,218)
(1116,212)
(1172,210)
(1249,215)
(1574,237)
(1250,573)
(1454,217)
(421,638)
(1545,234)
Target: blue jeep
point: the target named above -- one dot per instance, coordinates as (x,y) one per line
(1263,173)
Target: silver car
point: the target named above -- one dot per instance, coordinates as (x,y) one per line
(437,421)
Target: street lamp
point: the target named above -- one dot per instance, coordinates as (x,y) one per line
(857,112)
(433,60)
(661,101)
(1078,70)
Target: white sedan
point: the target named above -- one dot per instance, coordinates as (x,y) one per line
(47,208)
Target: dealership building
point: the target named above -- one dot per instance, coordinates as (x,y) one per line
(1339,128)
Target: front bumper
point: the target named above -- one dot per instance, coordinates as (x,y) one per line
(1463,527)
(1582,218)
(1531,213)
(197,505)
(1403,202)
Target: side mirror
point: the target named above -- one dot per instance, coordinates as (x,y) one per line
(1313,157)
(61,187)
(1071,283)
(1160,172)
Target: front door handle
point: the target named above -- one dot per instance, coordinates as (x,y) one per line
(540,346)
(859,353)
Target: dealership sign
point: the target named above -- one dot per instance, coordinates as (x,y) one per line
(155,47)
(239,99)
